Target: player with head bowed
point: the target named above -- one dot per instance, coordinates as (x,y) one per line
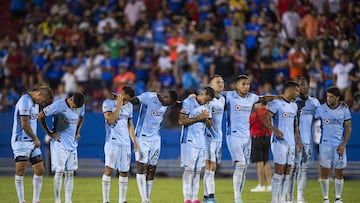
(24,141)
(195,116)
(281,119)
(118,113)
(152,109)
(67,118)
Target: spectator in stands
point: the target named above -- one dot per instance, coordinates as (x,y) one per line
(224,65)
(123,78)
(133,9)
(341,75)
(297,61)
(267,70)
(308,27)
(290,21)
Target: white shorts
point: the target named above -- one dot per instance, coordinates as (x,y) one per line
(192,157)
(306,156)
(26,149)
(213,151)
(329,157)
(61,158)
(117,156)
(283,154)
(239,148)
(149,150)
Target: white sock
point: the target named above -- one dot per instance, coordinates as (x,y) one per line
(302,177)
(238,180)
(57,185)
(205,181)
(339,184)
(105,183)
(19,184)
(292,181)
(149,185)
(141,182)
(37,184)
(276,185)
(68,185)
(187,183)
(123,185)
(211,183)
(196,185)
(285,188)
(324,183)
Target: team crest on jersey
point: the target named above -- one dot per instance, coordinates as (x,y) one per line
(327,121)
(46,109)
(237,107)
(153,112)
(341,112)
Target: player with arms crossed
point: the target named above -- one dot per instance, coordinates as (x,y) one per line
(303,159)
(333,141)
(239,104)
(194,117)
(118,112)
(68,116)
(283,113)
(214,138)
(24,141)
(152,110)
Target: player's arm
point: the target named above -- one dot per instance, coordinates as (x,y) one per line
(132,134)
(268,123)
(297,135)
(348,129)
(42,121)
(25,125)
(111,116)
(78,127)
(135,100)
(268,98)
(208,122)
(185,120)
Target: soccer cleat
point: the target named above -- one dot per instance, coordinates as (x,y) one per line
(238,201)
(326,201)
(211,200)
(268,188)
(196,201)
(187,201)
(338,200)
(301,201)
(258,188)
(205,200)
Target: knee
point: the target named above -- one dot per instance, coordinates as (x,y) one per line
(339,174)
(141,168)
(151,172)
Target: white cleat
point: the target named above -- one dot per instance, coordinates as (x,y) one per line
(338,200)
(259,188)
(326,201)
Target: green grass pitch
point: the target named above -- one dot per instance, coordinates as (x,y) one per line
(165,190)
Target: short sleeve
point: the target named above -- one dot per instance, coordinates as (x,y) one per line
(273,106)
(185,109)
(25,105)
(347,114)
(82,111)
(145,97)
(317,113)
(131,110)
(107,106)
(51,109)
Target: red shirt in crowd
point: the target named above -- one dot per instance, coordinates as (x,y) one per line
(257,127)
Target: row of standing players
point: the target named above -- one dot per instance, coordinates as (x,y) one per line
(289,117)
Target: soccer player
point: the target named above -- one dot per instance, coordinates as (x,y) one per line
(333,142)
(194,117)
(24,141)
(282,113)
(68,116)
(214,138)
(306,111)
(118,112)
(238,104)
(147,131)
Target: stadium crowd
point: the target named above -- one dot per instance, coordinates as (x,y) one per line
(99,46)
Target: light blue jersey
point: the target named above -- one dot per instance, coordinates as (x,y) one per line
(217,111)
(24,107)
(193,134)
(284,120)
(238,113)
(65,121)
(118,132)
(332,123)
(306,109)
(150,116)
